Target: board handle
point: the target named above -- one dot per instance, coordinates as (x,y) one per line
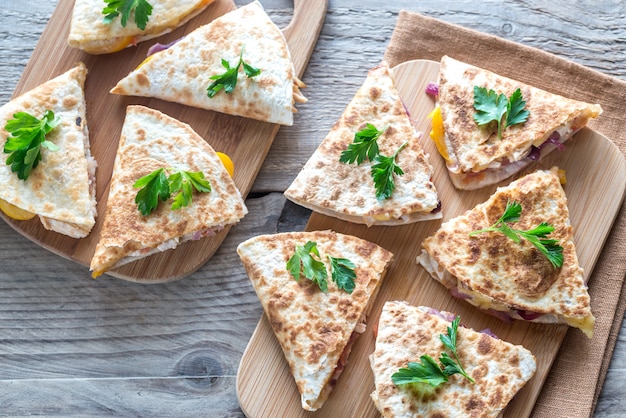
(303,30)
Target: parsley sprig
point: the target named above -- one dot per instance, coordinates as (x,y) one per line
(114,8)
(536,236)
(383,171)
(228,79)
(365,146)
(428,371)
(159,186)
(491,106)
(306,262)
(27,137)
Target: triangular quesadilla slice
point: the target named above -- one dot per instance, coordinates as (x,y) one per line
(338,180)
(59,185)
(478,150)
(497,369)
(476,255)
(315,324)
(237,64)
(103,27)
(145,219)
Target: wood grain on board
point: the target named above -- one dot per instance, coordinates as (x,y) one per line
(246,141)
(271,391)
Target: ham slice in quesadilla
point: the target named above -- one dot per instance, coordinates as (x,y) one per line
(91,30)
(477,155)
(60,188)
(152,142)
(476,256)
(498,368)
(315,324)
(347,190)
(237,64)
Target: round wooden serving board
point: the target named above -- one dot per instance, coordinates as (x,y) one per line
(595,172)
(246,141)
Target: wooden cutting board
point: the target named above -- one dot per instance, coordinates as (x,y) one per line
(595,171)
(246,141)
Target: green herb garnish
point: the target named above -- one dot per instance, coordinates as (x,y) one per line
(536,236)
(342,273)
(114,8)
(382,173)
(158,186)
(363,146)
(302,262)
(228,79)
(306,262)
(428,371)
(27,137)
(491,106)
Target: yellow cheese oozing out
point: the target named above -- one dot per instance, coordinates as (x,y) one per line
(437,132)
(14,212)
(227,162)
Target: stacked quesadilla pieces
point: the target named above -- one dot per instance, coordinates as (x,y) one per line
(497,369)
(152,142)
(237,64)
(58,184)
(521,266)
(315,324)
(103,27)
(488,127)
(371,168)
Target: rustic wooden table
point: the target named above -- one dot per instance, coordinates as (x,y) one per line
(74,346)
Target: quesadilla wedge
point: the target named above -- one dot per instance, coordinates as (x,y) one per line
(60,187)
(476,257)
(332,185)
(237,64)
(95,33)
(152,142)
(498,368)
(316,325)
(481,149)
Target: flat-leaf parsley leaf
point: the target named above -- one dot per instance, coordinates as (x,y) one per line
(342,273)
(114,8)
(228,79)
(27,137)
(306,262)
(158,186)
(363,146)
(303,262)
(537,236)
(491,106)
(427,370)
(383,171)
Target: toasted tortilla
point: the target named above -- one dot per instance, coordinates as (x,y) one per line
(182,72)
(499,369)
(61,189)
(496,274)
(315,329)
(477,157)
(89,32)
(151,140)
(347,191)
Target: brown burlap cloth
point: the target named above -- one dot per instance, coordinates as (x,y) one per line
(576,377)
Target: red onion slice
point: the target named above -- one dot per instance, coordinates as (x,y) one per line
(432,89)
(158,47)
(528,315)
